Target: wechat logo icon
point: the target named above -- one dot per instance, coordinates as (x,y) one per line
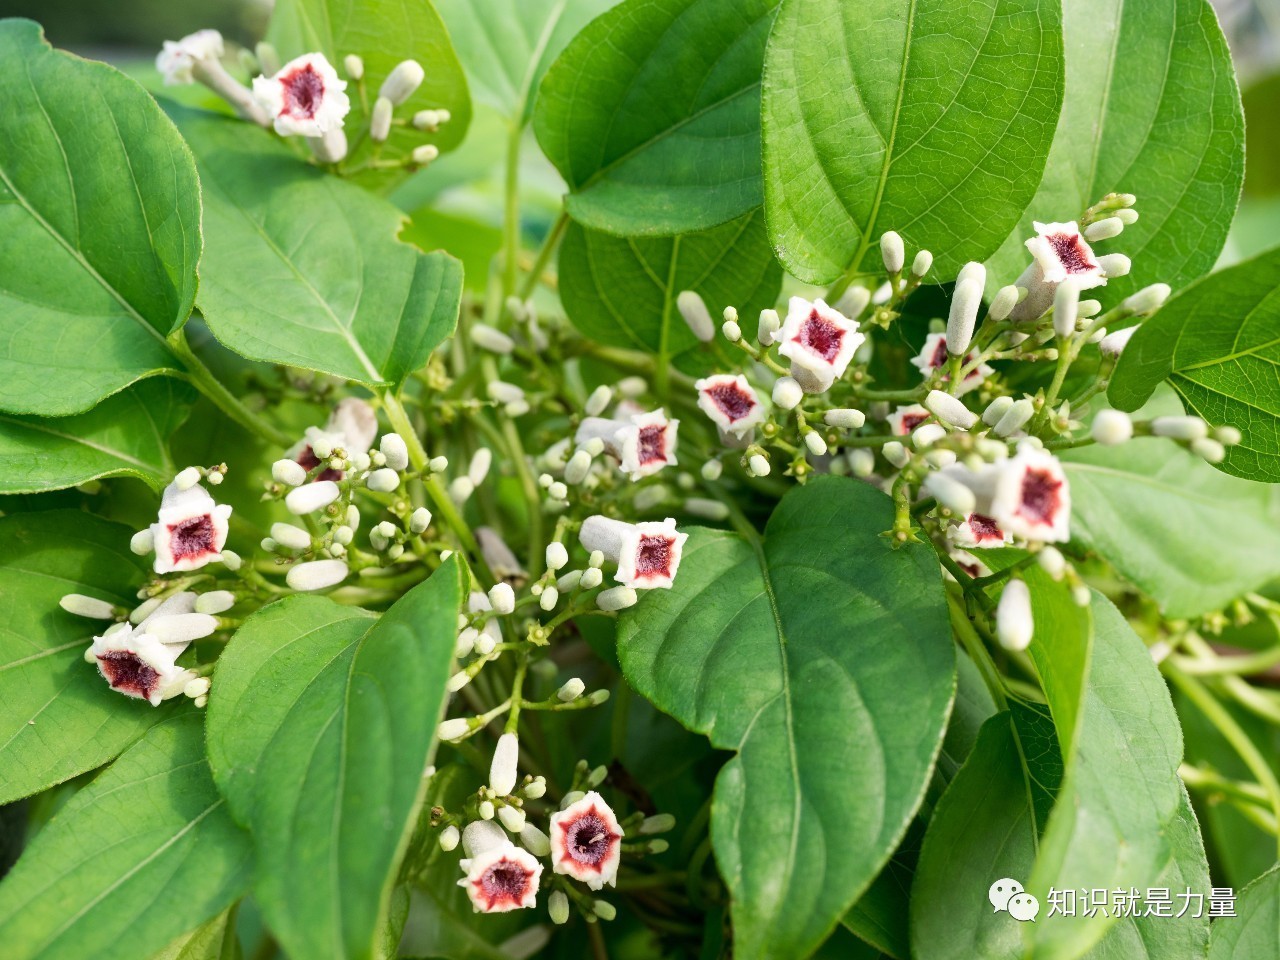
(1007,894)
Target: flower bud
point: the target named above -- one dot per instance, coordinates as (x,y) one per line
(862,462)
(950,410)
(1104,229)
(502,598)
(1052,562)
(558,906)
(295,538)
(758,464)
(815,444)
(964,313)
(186,479)
(231,560)
(770,323)
(549,598)
(927,434)
(455,729)
(311,497)
(354,66)
(1015,418)
(142,542)
(557,555)
(1148,299)
(711,470)
(695,313)
(1066,305)
(394,450)
(852,302)
(1111,428)
(732,332)
(1208,449)
(380,120)
(478,469)
(1180,428)
(182,627)
(600,398)
(892,251)
(449,837)
(215,601)
(502,770)
(604,909)
(198,687)
(289,472)
(419,520)
(461,489)
(571,690)
(616,598)
(512,818)
(787,393)
(845,418)
(535,788)
(658,823)
(317,575)
(1113,344)
(950,493)
(996,409)
(896,454)
(921,264)
(1228,436)
(1114,265)
(577,468)
(402,81)
(1003,302)
(533,839)
(1014,624)
(144,610)
(486,809)
(488,338)
(592,578)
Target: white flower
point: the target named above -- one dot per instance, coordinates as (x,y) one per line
(934,356)
(1031,498)
(191,529)
(138,663)
(586,842)
(305,98)
(978,530)
(819,341)
(647,554)
(642,443)
(905,419)
(177,57)
(731,404)
(351,428)
(502,878)
(1062,252)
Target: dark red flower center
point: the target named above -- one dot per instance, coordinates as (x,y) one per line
(1041,496)
(128,673)
(1070,250)
(303,92)
(912,420)
(588,841)
(940,358)
(653,557)
(731,400)
(820,336)
(653,448)
(505,882)
(308,460)
(984,528)
(192,537)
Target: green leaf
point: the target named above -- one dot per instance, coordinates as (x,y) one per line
(1164,518)
(58,717)
(507,45)
(304,269)
(212,940)
(99,229)
(127,434)
(1255,929)
(323,723)
(474,243)
(382,33)
(822,657)
(1262,138)
(1218,345)
(622,292)
(1152,109)
(665,139)
(144,853)
(921,116)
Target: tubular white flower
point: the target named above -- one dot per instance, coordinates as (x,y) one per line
(502,879)
(305,98)
(1014,624)
(177,57)
(851,303)
(819,342)
(502,770)
(316,575)
(647,554)
(731,404)
(1061,252)
(892,251)
(695,313)
(287,535)
(906,418)
(1114,265)
(1180,428)
(964,314)
(616,598)
(191,529)
(311,497)
(404,78)
(934,356)
(1111,427)
(586,841)
(950,493)
(215,601)
(950,410)
(1031,498)
(1148,299)
(787,393)
(1113,344)
(394,450)
(90,607)
(140,666)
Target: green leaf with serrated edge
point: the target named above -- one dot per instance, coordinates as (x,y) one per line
(99,229)
(323,723)
(782,650)
(1254,931)
(58,717)
(1218,345)
(127,434)
(507,45)
(144,853)
(622,292)
(1124,498)
(1152,109)
(304,269)
(921,116)
(382,33)
(665,140)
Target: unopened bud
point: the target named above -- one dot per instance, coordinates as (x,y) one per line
(312,497)
(964,313)
(892,251)
(502,598)
(950,410)
(571,690)
(950,493)
(845,418)
(787,393)
(316,575)
(380,120)
(1111,428)
(1104,229)
(695,313)
(1014,623)
(1019,412)
(402,81)
(920,266)
(758,464)
(215,602)
(90,607)
(1148,299)
(449,837)
(354,66)
(287,535)
(616,598)
(1114,265)
(558,907)
(1180,428)
(384,480)
(288,472)
(142,542)
(1003,302)
(1066,304)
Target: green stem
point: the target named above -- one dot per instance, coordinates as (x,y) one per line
(544,256)
(511,212)
(203,379)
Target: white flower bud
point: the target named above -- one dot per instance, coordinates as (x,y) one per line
(504,392)
(896,454)
(458,681)
(502,598)
(1114,265)
(758,465)
(487,338)
(402,81)
(535,788)
(380,120)
(920,266)
(571,690)
(1111,428)
(480,464)
(289,472)
(461,489)
(295,538)
(311,497)
(1180,428)
(198,687)
(144,610)
(1208,449)
(557,555)
(577,468)
(711,470)
(502,770)
(454,729)
(658,823)
(215,601)
(1113,344)
(996,409)
(512,818)
(1066,307)
(964,314)
(354,66)
(182,627)
(695,313)
(846,418)
(534,840)
(486,809)
(862,462)
(787,393)
(558,491)
(1003,302)
(592,577)
(231,560)
(188,478)
(1052,562)
(550,597)
(1014,624)
(558,907)
(975,271)
(569,581)
(316,575)
(616,598)
(1148,299)
(419,520)
(438,464)
(1019,412)
(950,493)
(770,323)
(817,446)
(1089,309)
(732,332)
(852,302)
(892,251)
(600,398)
(950,410)
(142,542)
(90,607)
(394,450)
(330,147)
(927,434)
(1104,229)
(632,387)
(449,838)
(1228,436)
